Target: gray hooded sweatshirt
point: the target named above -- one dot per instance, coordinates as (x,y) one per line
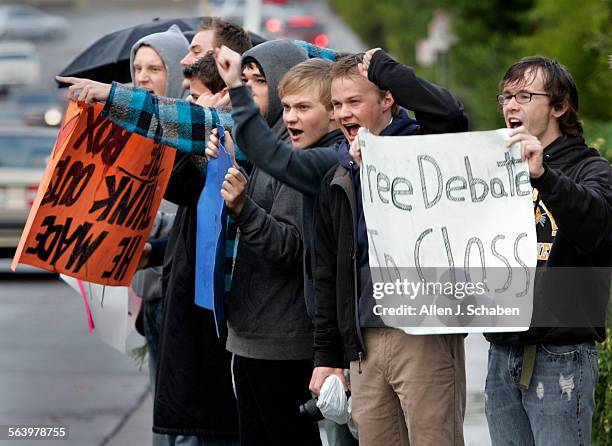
(267,316)
(171,46)
(275,57)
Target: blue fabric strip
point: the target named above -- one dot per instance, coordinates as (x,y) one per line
(210,237)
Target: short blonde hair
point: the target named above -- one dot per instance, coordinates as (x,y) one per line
(312,73)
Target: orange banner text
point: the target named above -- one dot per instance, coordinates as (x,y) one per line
(97,201)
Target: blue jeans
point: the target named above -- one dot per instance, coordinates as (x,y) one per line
(557,407)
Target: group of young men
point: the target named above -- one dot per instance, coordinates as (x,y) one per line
(299,290)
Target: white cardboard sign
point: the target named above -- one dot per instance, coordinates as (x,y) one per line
(446,205)
(112,309)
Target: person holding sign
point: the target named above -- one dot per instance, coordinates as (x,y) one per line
(301,164)
(405,389)
(540,384)
(154,65)
(269,330)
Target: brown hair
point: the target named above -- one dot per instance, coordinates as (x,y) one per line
(205,70)
(347,67)
(207,23)
(559,85)
(312,73)
(226,33)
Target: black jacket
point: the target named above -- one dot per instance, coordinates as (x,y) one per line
(574,232)
(337,334)
(194,393)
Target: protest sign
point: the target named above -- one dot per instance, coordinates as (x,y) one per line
(452,243)
(211,237)
(97,200)
(111,311)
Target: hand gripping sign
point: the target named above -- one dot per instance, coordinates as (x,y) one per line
(96,203)
(451,234)
(211,237)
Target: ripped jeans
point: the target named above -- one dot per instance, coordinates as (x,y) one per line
(557,407)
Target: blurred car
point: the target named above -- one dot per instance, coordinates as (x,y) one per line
(27,22)
(38,106)
(233,8)
(24,152)
(279,21)
(19,64)
(296,27)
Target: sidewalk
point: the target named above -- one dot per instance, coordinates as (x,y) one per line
(135,429)
(54,372)
(475,429)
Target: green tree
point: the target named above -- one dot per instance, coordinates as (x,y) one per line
(492,34)
(485,48)
(392,25)
(602,418)
(579,35)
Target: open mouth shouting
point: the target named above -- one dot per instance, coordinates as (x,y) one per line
(351,130)
(295,133)
(514,123)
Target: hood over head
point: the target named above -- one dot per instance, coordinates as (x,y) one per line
(171,45)
(275,58)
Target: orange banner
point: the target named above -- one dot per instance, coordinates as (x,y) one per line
(96,203)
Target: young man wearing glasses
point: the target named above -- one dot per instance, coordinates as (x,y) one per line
(540,384)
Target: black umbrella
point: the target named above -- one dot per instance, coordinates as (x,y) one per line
(108,59)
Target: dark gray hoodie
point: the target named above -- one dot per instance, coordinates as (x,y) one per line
(275,58)
(267,316)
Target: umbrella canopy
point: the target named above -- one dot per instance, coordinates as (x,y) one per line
(108,59)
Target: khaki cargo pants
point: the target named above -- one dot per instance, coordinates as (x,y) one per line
(411,389)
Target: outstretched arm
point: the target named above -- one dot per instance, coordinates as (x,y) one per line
(435,108)
(173,122)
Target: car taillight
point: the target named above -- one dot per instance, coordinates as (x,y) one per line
(321,40)
(273,25)
(301,22)
(31,193)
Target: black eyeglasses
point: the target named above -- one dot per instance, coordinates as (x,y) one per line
(522,97)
